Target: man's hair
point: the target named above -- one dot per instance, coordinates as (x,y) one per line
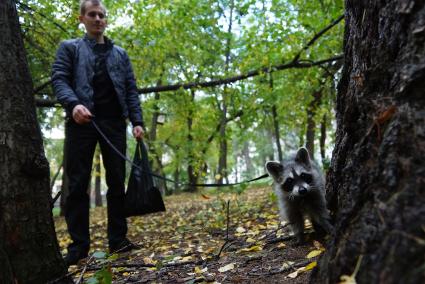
(83,5)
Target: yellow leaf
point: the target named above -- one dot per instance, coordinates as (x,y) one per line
(250,240)
(281,245)
(199,270)
(187,258)
(310,266)
(314,253)
(228,267)
(148,260)
(253,248)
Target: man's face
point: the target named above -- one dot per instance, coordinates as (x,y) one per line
(94,19)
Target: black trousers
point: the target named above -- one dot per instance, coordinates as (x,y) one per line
(80,146)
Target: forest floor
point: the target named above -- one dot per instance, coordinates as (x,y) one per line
(200,239)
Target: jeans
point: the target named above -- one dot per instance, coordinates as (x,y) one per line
(80,146)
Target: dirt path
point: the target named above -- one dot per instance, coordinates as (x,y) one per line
(199,239)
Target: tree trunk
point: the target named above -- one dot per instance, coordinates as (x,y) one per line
(376,181)
(29,252)
(65,180)
(192,177)
(277,133)
(311,123)
(157,168)
(323,138)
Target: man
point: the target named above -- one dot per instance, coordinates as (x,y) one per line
(94,81)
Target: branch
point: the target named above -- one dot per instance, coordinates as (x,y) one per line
(212,83)
(317,36)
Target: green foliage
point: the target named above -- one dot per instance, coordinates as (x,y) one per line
(173,42)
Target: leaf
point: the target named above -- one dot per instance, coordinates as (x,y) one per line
(310,266)
(205,196)
(250,240)
(228,267)
(240,230)
(314,253)
(345,279)
(253,248)
(287,264)
(199,270)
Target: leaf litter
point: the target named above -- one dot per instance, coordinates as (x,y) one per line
(192,242)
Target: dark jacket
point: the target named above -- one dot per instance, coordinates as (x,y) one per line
(73,71)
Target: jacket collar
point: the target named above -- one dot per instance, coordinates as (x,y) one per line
(92,42)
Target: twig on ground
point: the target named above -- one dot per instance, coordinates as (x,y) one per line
(227,231)
(80,279)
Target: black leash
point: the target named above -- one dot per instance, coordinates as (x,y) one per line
(161,177)
(167,179)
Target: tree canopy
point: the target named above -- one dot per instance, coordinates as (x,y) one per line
(213,69)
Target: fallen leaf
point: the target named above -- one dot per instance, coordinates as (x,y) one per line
(345,279)
(228,267)
(240,230)
(310,266)
(205,196)
(314,253)
(250,240)
(253,248)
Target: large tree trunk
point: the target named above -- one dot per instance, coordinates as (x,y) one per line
(376,182)
(29,252)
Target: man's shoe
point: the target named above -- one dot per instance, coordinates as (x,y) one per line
(123,246)
(73,257)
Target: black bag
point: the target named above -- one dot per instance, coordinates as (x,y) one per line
(142,197)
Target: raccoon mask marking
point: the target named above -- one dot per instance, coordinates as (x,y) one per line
(300,187)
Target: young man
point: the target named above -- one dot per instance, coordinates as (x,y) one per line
(93,80)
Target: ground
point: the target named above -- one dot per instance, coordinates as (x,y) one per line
(200,239)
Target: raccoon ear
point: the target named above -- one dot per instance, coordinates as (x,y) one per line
(303,157)
(275,170)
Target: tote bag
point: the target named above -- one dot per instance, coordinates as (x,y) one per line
(142,197)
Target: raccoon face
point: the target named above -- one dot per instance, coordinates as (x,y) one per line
(294,175)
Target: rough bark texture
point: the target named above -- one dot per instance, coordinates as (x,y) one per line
(29,252)
(376,182)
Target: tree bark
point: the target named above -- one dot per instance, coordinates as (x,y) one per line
(311,123)
(29,251)
(192,176)
(65,180)
(323,137)
(376,181)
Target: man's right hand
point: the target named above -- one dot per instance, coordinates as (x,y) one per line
(81,114)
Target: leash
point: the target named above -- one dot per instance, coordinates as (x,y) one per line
(167,179)
(158,176)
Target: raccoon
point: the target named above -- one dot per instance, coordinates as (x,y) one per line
(300,187)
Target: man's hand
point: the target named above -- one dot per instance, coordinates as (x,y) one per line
(81,114)
(138,132)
